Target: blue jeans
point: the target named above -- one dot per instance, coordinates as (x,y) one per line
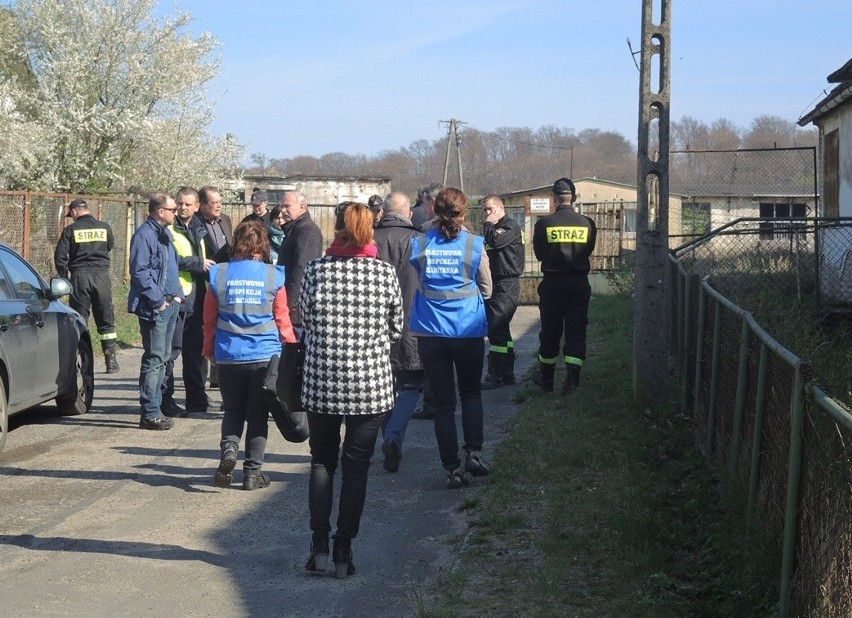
(177,345)
(445,360)
(358,445)
(241,386)
(407,384)
(157,345)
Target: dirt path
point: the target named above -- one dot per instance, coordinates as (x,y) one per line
(101,518)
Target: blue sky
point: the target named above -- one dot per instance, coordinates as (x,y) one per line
(364,76)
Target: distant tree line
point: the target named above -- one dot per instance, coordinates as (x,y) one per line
(513,158)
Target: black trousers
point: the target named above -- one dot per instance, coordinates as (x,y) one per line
(194,378)
(499,310)
(564,308)
(358,444)
(93,290)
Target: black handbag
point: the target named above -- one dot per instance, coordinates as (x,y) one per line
(286,373)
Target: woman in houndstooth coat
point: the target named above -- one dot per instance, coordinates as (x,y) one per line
(351,309)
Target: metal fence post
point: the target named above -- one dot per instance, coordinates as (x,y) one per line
(757,439)
(714,378)
(699,349)
(794,478)
(739,405)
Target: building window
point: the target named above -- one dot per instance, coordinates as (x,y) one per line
(695,218)
(628,221)
(779,218)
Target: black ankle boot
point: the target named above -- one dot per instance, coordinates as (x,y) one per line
(342,556)
(255,480)
(318,559)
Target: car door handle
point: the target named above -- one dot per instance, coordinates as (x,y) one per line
(37,316)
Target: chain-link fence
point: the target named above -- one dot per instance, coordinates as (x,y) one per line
(719,186)
(787,454)
(807,259)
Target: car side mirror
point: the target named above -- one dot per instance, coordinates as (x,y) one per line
(60,287)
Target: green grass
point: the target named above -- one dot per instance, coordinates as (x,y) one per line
(599,508)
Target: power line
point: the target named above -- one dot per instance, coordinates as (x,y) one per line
(518,142)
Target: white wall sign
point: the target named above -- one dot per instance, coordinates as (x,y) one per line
(539,205)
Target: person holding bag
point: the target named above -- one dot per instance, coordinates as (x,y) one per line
(245,320)
(351,309)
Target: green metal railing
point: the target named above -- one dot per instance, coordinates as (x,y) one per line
(785,446)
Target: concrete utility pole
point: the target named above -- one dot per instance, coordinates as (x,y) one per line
(453,136)
(650,320)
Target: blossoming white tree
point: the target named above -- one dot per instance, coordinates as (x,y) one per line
(106,95)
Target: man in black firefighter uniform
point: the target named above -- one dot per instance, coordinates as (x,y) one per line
(83,249)
(505,246)
(563,241)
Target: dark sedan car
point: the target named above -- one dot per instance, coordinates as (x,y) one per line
(45,348)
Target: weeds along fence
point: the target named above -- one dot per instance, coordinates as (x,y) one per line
(784,445)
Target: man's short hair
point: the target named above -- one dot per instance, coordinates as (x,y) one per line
(493,198)
(299,195)
(158,200)
(430,191)
(184,191)
(205,191)
(397,202)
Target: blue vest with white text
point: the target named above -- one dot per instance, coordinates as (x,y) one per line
(245,290)
(448,302)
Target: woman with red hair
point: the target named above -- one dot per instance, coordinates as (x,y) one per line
(352,311)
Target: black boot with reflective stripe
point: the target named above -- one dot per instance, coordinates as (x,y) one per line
(509,367)
(572,378)
(108,346)
(544,377)
(494,378)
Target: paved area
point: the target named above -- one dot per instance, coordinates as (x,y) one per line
(101,518)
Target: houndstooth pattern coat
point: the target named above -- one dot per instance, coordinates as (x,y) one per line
(352,311)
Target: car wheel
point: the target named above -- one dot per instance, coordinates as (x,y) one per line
(81,400)
(4,416)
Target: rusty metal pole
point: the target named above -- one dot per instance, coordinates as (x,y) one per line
(650,321)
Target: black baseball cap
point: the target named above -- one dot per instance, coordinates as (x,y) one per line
(79,203)
(564,185)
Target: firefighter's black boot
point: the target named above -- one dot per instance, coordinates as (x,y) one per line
(108,346)
(494,378)
(509,367)
(572,379)
(544,377)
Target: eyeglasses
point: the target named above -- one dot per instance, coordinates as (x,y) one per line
(169,209)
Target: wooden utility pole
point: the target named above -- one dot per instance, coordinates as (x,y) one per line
(453,137)
(650,320)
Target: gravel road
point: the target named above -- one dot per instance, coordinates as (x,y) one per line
(100,518)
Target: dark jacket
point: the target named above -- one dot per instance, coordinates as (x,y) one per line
(563,242)
(220,254)
(302,243)
(264,219)
(393,239)
(505,245)
(85,244)
(194,233)
(153,270)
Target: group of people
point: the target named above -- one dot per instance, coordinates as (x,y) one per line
(398,305)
